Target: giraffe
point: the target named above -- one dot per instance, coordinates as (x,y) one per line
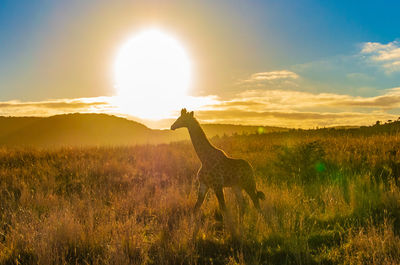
(218,170)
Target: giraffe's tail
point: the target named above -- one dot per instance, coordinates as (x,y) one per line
(260,195)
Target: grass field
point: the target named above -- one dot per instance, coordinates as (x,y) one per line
(331,198)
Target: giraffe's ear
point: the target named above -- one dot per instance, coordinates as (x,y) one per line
(183,111)
(191,113)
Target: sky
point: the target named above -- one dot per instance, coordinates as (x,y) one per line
(279,63)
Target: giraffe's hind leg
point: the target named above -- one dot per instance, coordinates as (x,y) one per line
(250,188)
(254,197)
(227,217)
(240,201)
(249,185)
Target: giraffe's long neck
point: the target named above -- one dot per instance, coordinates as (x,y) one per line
(201,144)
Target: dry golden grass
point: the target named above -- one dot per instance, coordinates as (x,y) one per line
(329,200)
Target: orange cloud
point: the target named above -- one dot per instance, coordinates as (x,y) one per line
(259,100)
(54,107)
(273,75)
(252,107)
(302,109)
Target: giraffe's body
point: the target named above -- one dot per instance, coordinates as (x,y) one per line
(217,169)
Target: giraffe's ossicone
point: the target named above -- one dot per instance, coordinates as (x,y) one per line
(217,169)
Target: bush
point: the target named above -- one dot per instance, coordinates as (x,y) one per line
(304,163)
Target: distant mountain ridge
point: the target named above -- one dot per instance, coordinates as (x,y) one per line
(100,129)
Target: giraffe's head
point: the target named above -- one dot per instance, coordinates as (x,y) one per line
(184,120)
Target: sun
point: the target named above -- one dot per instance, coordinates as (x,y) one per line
(152,73)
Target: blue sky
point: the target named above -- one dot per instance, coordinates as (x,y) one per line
(54,50)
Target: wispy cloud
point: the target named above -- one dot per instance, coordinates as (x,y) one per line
(302,109)
(273,75)
(385,55)
(277,107)
(297,100)
(54,107)
(282,79)
(58,104)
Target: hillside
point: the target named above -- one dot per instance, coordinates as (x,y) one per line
(99,129)
(9,125)
(73,129)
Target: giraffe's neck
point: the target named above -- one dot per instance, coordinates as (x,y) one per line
(201,144)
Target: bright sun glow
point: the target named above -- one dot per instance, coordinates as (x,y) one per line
(152,74)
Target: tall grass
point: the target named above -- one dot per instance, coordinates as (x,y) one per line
(329,200)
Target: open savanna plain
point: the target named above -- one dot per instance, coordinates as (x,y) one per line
(332,197)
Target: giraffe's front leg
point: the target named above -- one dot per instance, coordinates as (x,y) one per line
(225,213)
(200,196)
(221,200)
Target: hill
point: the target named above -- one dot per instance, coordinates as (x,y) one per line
(12,124)
(72,129)
(99,129)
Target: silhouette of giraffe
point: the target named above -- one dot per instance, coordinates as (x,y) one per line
(217,170)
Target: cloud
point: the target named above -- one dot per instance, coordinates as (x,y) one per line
(54,107)
(385,55)
(273,75)
(259,100)
(282,79)
(275,107)
(302,109)
(51,105)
